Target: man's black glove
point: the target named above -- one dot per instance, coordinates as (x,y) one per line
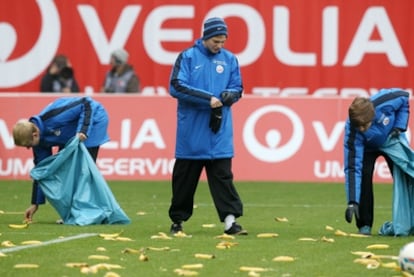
(215,119)
(395,133)
(350,211)
(227,98)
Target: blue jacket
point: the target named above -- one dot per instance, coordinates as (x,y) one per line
(198,75)
(391,111)
(60,121)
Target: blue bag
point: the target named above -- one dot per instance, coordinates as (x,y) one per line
(75,187)
(402,155)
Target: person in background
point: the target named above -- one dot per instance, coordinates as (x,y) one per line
(59,77)
(55,125)
(371,121)
(122,77)
(206,81)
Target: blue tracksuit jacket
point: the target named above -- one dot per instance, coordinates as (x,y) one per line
(198,75)
(60,121)
(391,111)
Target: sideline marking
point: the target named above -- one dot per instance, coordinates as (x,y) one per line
(53,241)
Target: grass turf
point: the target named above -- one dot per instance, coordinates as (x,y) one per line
(309,208)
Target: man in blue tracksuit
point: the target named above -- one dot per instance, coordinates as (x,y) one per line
(60,121)
(206,82)
(371,121)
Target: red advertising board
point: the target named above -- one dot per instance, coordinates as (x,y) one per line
(276,138)
(285,47)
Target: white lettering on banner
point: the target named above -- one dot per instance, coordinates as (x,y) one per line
(335,169)
(328,143)
(102,45)
(15,167)
(154,34)
(375,18)
(37,59)
(6,136)
(273,152)
(135,166)
(148,133)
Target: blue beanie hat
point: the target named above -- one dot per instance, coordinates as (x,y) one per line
(214,26)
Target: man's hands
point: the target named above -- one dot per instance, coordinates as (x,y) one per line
(351,210)
(395,133)
(28,214)
(227,98)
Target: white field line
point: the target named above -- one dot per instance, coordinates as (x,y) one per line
(53,241)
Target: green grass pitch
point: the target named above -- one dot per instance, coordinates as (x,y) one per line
(309,208)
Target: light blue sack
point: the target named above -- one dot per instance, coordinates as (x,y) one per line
(75,187)
(402,155)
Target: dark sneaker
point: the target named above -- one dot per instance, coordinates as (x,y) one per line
(365,230)
(175,228)
(235,229)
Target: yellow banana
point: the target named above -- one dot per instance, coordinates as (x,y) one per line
(166,248)
(27,242)
(111,274)
(267,235)
(19,226)
(209,225)
(192,266)
(329,228)
(26,266)
(7,243)
(112,235)
(123,239)
(378,246)
(253,268)
(325,239)
(101,249)
(283,259)
(185,272)
(76,265)
(340,233)
(307,239)
(2,254)
(204,256)
(224,236)
(143,257)
(98,257)
(392,265)
(281,219)
(181,234)
(106,266)
(359,235)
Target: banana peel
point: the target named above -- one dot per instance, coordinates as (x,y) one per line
(253,268)
(185,272)
(192,266)
(378,246)
(19,226)
(110,236)
(26,266)
(98,257)
(267,235)
(30,242)
(283,259)
(204,256)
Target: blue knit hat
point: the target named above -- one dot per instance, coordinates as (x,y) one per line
(214,26)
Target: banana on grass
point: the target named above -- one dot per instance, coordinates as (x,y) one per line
(98,257)
(185,272)
(30,242)
(253,268)
(110,236)
(19,226)
(192,266)
(267,235)
(26,266)
(283,259)
(378,246)
(204,256)
(7,243)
